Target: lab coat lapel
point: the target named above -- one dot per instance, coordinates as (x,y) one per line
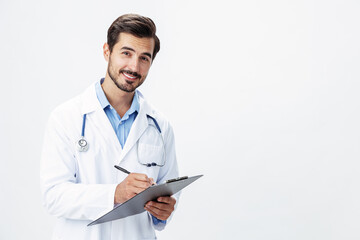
(138,128)
(95,113)
(105,129)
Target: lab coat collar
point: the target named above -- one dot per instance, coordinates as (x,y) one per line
(89,101)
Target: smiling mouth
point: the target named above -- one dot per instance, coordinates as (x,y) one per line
(130,75)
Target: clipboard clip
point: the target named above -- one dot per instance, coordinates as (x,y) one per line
(176,179)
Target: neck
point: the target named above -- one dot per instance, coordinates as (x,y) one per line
(119,99)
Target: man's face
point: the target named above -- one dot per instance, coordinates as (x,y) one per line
(130,61)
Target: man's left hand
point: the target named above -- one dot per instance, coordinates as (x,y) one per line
(161,209)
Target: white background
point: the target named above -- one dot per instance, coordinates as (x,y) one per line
(263,96)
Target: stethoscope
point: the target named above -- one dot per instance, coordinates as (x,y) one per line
(83,145)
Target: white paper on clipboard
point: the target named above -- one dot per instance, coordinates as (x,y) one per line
(135,205)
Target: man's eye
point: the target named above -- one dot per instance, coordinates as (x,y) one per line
(126,53)
(145,59)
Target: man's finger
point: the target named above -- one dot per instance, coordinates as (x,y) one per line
(160,206)
(137,190)
(156,213)
(139,177)
(168,200)
(152,182)
(138,184)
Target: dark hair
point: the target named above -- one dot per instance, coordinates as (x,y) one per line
(136,25)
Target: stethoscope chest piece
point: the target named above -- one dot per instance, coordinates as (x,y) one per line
(82,145)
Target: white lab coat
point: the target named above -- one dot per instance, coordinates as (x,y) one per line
(78,187)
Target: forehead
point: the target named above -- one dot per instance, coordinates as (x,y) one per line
(140,45)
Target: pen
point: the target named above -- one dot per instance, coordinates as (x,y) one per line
(122,169)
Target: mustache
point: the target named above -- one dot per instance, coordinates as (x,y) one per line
(135,74)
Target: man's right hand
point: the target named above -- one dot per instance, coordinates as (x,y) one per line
(133,184)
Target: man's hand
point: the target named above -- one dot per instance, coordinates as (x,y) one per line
(161,209)
(132,185)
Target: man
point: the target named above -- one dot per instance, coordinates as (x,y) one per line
(110,124)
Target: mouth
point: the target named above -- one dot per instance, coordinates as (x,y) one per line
(130,76)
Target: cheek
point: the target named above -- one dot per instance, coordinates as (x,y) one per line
(111,68)
(117,63)
(144,70)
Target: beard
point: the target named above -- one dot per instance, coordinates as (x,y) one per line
(127,86)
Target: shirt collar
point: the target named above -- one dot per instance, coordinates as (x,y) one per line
(101,95)
(135,106)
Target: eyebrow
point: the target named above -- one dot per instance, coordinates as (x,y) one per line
(130,49)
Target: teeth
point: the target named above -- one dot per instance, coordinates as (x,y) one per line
(129,76)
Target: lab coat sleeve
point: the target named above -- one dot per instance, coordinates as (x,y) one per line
(62,196)
(169,171)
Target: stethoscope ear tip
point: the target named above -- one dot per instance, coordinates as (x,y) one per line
(151,164)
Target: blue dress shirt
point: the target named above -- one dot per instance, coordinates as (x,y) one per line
(120,125)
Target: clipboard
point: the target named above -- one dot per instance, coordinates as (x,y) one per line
(135,205)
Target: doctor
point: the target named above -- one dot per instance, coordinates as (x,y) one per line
(111,123)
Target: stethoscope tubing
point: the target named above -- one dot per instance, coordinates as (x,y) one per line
(154,120)
(83,126)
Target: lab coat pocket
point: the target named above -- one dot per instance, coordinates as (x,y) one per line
(151,154)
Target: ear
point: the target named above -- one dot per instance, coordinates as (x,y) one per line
(106,52)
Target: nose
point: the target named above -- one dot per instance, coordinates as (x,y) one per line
(134,64)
